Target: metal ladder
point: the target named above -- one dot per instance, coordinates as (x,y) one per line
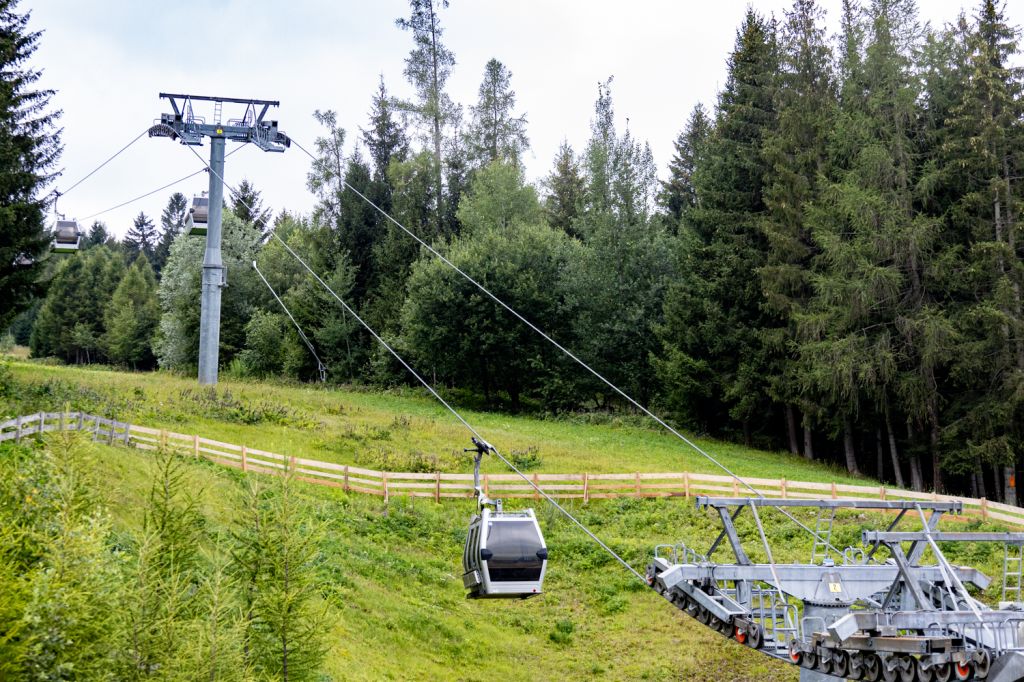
(1013,569)
(218,107)
(822,534)
(776,616)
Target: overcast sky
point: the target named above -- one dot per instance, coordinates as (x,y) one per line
(108,60)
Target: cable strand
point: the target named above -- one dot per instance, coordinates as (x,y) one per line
(90,173)
(573,356)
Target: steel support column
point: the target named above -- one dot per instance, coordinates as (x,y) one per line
(214,272)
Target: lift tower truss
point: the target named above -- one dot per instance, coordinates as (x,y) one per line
(184,126)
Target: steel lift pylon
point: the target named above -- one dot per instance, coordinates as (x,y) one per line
(875,612)
(183,126)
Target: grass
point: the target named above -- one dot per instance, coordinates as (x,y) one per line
(352,426)
(390,574)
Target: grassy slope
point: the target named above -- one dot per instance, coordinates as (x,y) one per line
(390,574)
(336,425)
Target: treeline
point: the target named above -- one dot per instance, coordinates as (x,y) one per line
(830,266)
(172,599)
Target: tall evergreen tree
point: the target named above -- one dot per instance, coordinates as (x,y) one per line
(725,246)
(247,205)
(172,222)
(141,238)
(385,137)
(97,235)
(427,68)
(679,192)
(132,317)
(977,174)
(29,149)
(70,324)
(796,153)
(564,190)
(495,131)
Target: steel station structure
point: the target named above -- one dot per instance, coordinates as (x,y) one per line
(875,612)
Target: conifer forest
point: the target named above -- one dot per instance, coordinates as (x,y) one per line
(830,263)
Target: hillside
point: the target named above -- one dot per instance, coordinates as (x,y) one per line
(388,574)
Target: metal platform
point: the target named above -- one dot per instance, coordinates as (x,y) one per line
(874,612)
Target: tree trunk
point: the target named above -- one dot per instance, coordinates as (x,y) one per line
(437,119)
(794,448)
(851,453)
(1009,486)
(979,475)
(933,446)
(748,439)
(808,441)
(880,452)
(893,452)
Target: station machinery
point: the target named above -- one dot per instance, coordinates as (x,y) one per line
(893,609)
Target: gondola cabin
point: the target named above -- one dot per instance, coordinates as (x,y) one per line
(505,555)
(67,237)
(198,216)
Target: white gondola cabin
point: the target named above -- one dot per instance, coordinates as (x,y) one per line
(198,216)
(67,237)
(505,555)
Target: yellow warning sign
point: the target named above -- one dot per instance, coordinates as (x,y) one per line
(835,587)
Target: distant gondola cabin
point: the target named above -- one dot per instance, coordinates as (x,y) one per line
(198,216)
(67,237)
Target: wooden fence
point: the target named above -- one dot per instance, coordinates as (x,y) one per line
(583,486)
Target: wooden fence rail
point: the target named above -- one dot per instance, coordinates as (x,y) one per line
(585,486)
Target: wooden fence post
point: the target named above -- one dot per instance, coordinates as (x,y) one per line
(834,495)
(636,483)
(881,492)
(686,483)
(384,478)
(245,459)
(735,488)
(984,509)
(110,432)
(42,422)
(345,483)
(195,445)
(782,487)
(586,488)
(437,487)
(17,432)
(81,421)
(536,489)
(127,433)
(96,428)
(487,484)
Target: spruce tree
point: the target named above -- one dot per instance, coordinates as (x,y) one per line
(796,154)
(385,137)
(564,191)
(724,247)
(495,131)
(97,235)
(132,317)
(679,193)
(29,149)
(247,205)
(141,238)
(172,222)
